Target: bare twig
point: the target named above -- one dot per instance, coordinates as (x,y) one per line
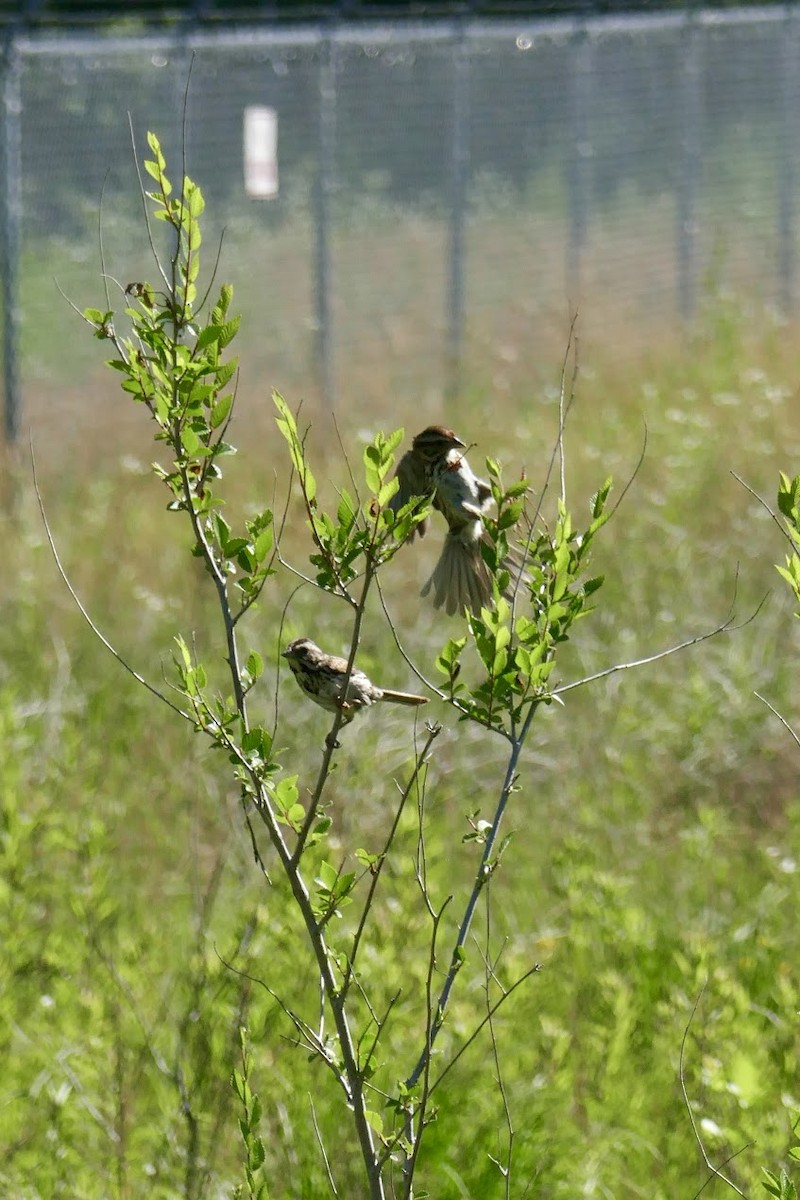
(564,406)
(433,733)
(308,1038)
(715,1172)
(85,614)
(726,626)
(143,194)
(453,701)
(632,477)
(414,1136)
(214,271)
(781,718)
(321,1145)
(346,456)
(480,1026)
(504,1168)
(783,530)
(485,869)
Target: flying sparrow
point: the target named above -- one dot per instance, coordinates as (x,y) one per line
(322,676)
(436,464)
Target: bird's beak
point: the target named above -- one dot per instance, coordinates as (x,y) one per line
(284,653)
(458,442)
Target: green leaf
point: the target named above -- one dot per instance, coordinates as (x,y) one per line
(286,793)
(229,330)
(223,304)
(388,490)
(155,146)
(255,664)
(374,1120)
(220,410)
(257,741)
(194,197)
(346,512)
(191,442)
(208,336)
(372,471)
(263,544)
(327,875)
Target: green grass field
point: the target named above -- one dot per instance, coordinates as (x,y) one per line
(655,852)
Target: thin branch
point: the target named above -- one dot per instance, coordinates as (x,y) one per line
(783,530)
(346,457)
(727,626)
(421,860)
(433,733)
(563,408)
(307,579)
(632,477)
(715,1172)
(71,303)
(217,260)
(83,611)
(185,113)
(307,1035)
(410,1164)
(483,873)
(505,1170)
(563,412)
(143,195)
(478,1029)
(781,718)
(278,645)
(321,1145)
(380,1025)
(391,1145)
(453,701)
(100,244)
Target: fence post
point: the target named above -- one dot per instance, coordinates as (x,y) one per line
(787,173)
(459,183)
(10,233)
(323,197)
(578,170)
(691,166)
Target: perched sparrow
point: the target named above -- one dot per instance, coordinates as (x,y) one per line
(321,676)
(435,464)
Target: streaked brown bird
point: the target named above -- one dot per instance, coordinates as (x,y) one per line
(436,464)
(322,677)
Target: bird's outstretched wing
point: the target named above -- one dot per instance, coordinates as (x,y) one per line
(411,476)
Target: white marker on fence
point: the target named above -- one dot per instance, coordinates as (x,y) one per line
(261,151)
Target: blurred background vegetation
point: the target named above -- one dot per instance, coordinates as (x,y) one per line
(655,839)
(654,861)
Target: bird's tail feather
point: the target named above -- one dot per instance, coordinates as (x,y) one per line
(402,697)
(460,578)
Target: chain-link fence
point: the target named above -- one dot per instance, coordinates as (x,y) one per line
(445,192)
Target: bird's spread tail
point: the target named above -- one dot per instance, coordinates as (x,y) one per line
(460,578)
